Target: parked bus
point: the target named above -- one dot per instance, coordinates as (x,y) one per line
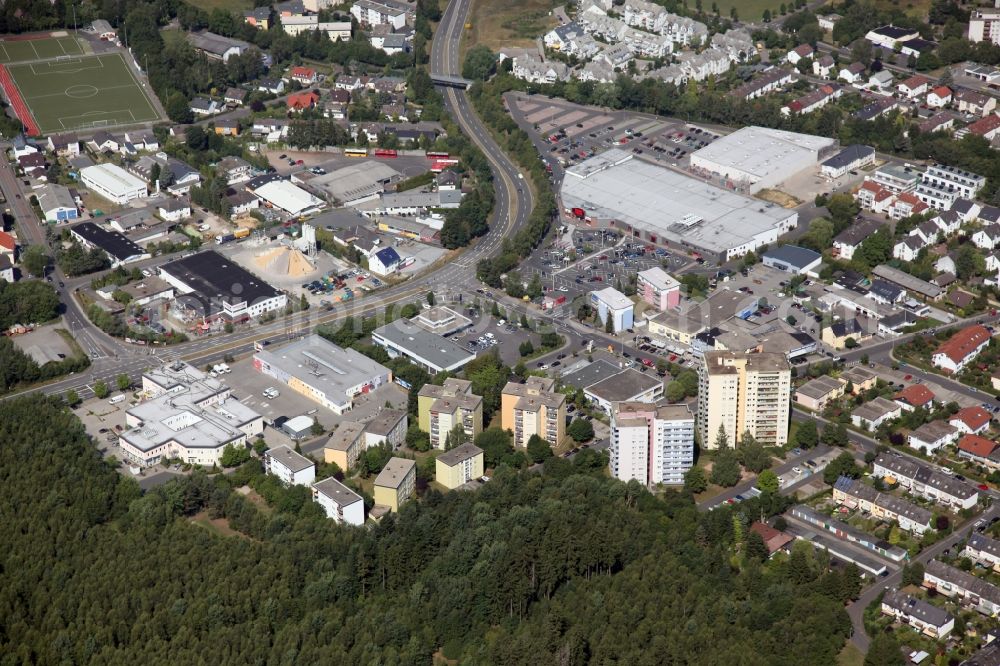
(436,156)
(355,152)
(385,152)
(437,166)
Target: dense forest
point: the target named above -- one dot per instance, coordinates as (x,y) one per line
(566,566)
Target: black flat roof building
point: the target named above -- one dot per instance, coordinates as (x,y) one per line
(214,285)
(118,248)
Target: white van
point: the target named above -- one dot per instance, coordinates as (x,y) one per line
(117,399)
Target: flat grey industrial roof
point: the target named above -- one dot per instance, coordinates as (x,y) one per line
(319,363)
(357,180)
(626,385)
(424,345)
(793,255)
(656,199)
(762,151)
(591,373)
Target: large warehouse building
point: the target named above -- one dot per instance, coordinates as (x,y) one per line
(323,372)
(657,203)
(214,286)
(755,158)
(113,183)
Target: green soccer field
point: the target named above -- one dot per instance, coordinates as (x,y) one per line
(82,93)
(38,49)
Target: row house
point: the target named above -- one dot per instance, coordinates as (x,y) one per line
(814,100)
(854,493)
(654,18)
(736,44)
(769,81)
(533,70)
(952,582)
(925,617)
(983,550)
(925,481)
(961,348)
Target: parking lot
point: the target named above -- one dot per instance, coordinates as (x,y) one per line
(292,161)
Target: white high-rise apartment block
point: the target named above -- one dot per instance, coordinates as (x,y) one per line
(984,26)
(744,392)
(651,443)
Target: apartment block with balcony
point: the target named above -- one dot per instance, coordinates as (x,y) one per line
(441,408)
(651,443)
(940,186)
(533,408)
(744,392)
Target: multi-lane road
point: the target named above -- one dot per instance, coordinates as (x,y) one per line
(513,206)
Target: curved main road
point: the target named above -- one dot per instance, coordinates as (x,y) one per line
(513,204)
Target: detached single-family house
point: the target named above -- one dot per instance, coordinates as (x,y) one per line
(914,396)
(851,73)
(913,87)
(201,106)
(874,413)
(817,393)
(932,436)
(799,53)
(824,66)
(303,100)
(174,210)
(881,80)
(304,75)
(971,420)
(974,102)
(979,450)
(273,86)
(939,97)
(64,145)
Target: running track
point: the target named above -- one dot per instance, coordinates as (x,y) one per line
(20,108)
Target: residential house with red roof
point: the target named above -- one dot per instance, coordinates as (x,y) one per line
(905,205)
(8,244)
(915,86)
(304,75)
(800,52)
(939,97)
(303,100)
(971,420)
(979,450)
(775,540)
(872,196)
(987,127)
(914,396)
(961,348)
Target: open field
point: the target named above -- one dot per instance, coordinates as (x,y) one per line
(23,50)
(82,92)
(227,5)
(748,10)
(499,23)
